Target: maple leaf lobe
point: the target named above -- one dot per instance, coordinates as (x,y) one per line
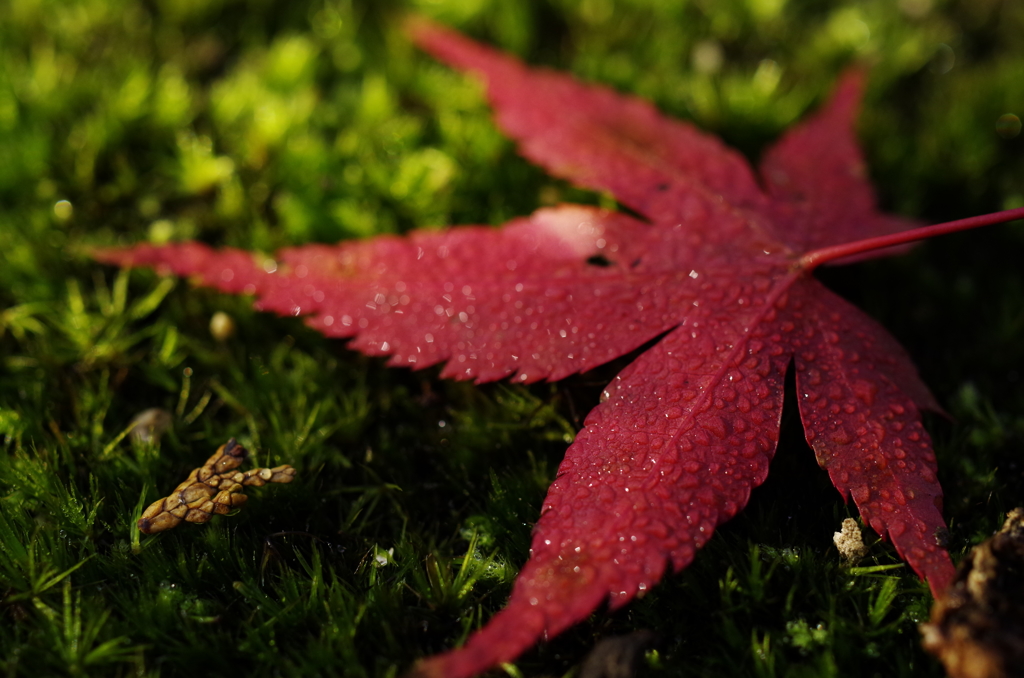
(818,192)
(818,180)
(859,401)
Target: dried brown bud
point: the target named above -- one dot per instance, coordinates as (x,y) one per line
(213,488)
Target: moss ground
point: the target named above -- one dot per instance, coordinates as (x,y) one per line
(264,124)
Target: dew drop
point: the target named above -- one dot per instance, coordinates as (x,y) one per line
(841,436)
(865,391)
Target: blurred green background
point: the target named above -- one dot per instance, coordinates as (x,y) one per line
(265,124)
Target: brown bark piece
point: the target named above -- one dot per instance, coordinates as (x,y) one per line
(977,625)
(213,488)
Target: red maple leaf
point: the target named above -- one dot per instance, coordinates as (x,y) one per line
(721,268)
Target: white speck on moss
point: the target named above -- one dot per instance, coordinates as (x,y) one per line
(850,542)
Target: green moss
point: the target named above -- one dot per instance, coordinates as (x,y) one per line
(266,124)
